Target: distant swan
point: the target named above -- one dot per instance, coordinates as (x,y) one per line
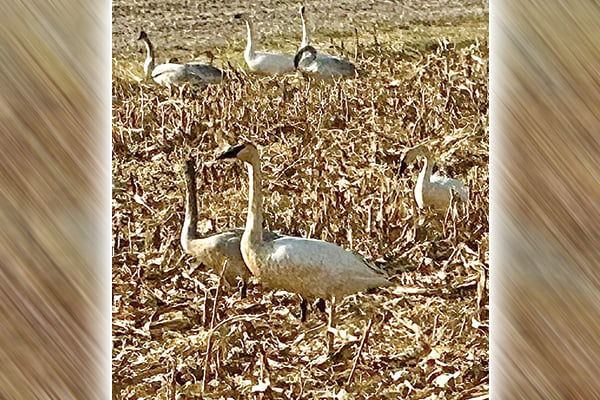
(432,190)
(310,61)
(173,73)
(263,62)
(307,61)
(310,267)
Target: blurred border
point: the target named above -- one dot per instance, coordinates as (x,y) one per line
(55,200)
(545,200)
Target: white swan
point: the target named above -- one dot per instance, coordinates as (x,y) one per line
(312,268)
(263,62)
(310,61)
(173,73)
(215,250)
(432,190)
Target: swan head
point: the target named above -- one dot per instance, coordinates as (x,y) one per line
(302,9)
(173,60)
(305,53)
(411,155)
(142,36)
(246,152)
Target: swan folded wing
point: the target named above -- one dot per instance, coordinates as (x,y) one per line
(316,268)
(450,184)
(174,74)
(335,66)
(206,72)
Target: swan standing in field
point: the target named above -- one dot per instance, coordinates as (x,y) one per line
(310,61)
(215,250)
(262,62)
(173,73)
(432,190)
(312,268)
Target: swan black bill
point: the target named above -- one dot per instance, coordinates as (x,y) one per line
(231,152)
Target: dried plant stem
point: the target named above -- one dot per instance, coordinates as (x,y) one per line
(363,342)
(212,324)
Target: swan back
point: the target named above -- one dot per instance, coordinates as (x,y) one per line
(314,268)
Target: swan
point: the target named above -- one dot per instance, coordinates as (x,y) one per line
(173,73)
(310,267)
(432,190)
(215,250)
(310,61)
(263,62)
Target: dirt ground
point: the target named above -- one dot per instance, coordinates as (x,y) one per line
(189,25)
(331,158)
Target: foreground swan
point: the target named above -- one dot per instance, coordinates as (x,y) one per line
(312,268)
(432,190)
(173,73)
(262,62)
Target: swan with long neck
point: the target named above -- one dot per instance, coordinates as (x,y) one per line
(173,73)
(310,267)
(432,190)
(214,251)
(313,62)
(264,62)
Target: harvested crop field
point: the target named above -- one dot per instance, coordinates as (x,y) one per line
(330,153)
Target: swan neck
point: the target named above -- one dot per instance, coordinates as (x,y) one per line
(253,231)
(188,231)
(249,53)
(149,62)
(427,169)
(305,41)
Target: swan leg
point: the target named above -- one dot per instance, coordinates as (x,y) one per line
(330,324)
(303,306)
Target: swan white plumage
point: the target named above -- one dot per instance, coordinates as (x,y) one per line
(311,61)
(173,73)
(263,62)
(310,267)
(432,190)
(215,250)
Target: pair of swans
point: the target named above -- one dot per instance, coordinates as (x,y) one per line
(175,74)
(314,269)
(307,59)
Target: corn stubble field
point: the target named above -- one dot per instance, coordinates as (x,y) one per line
(331,155)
